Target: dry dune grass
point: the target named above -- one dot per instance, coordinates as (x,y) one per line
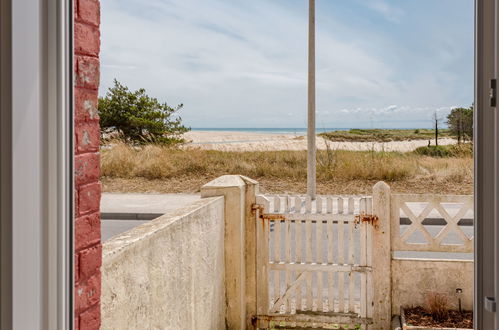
(282,171)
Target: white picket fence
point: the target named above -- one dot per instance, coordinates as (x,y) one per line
(293,262)
(314,260)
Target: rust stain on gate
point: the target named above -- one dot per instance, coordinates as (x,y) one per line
(369,218)
(350,312)
(266,216)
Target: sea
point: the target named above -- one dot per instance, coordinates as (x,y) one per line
(271,130)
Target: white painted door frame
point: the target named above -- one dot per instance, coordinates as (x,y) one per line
(36,278)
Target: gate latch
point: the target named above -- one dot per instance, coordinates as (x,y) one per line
(493,93)
(490,304)
(370,218)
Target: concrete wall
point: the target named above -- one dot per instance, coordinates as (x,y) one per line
(88,249)
(168,273)
(412,279)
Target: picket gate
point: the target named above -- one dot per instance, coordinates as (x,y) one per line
(314,262)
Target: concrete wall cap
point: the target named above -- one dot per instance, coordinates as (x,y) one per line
(120,243)
(225,181)
(381,185)
(248,180)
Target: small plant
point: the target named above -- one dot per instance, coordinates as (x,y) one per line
(437,305)
(328,160)
(416,131)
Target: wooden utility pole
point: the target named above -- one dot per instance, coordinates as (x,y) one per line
(311,145)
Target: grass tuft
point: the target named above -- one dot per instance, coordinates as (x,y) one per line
(437,305)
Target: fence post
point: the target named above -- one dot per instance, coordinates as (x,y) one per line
(250,249)
(233,188)
(381,254)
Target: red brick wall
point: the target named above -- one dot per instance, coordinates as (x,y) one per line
(88,249)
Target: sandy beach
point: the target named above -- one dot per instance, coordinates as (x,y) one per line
(253,141)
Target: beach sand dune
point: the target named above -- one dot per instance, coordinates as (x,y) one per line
(254,141)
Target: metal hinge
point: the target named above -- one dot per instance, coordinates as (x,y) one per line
(490,304)
(257,207)
(493,93)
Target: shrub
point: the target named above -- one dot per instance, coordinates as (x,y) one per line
(463,150)
(437,305)
(139,118)
(433,151)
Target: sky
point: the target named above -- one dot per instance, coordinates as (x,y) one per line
(243,63)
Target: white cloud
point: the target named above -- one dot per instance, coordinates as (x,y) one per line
(395,116)
(389,12)
(244,63)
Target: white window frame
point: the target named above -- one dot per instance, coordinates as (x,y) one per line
(36,167)
(36,164)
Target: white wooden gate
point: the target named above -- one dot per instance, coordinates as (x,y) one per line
(314,262)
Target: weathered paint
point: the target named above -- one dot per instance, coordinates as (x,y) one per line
(381,258)
(251,190)
(434,202)
(305,319)
(233,188)
(87,250)
(412,279)
(287,307)
(167,273)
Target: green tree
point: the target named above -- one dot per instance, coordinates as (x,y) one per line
(139,118)
(460,122)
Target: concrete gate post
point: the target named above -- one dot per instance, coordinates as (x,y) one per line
(250,250)
(381,254)
(239,193)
